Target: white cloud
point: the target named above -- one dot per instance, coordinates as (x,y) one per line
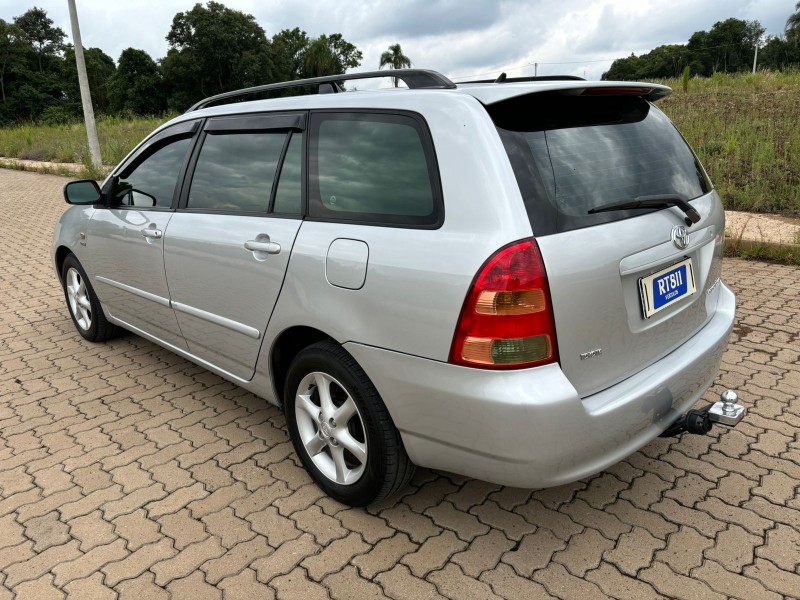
(456,37)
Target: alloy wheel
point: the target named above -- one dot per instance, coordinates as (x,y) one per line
(79,302)
(331,428)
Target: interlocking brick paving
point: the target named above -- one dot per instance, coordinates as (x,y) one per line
(128,472)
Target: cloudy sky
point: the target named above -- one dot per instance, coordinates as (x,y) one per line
(460,38)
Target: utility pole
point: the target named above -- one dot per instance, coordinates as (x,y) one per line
(755,58)
(535,69)
(83,81)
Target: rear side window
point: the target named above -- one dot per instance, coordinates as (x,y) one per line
(372,167)
(235,172)
(571,154)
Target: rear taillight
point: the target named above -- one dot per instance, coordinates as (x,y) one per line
(507,318)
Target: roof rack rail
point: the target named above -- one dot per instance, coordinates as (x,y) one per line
(502,79)
(413,78)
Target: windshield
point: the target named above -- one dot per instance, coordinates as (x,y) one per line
(571,154)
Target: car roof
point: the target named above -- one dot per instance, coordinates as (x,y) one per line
(486,93)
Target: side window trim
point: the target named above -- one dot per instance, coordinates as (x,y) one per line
(184,130)
(426,139)
(278,172)
(257,122)
(290,123)
(154,143)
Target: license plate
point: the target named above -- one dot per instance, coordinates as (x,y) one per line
(666,287)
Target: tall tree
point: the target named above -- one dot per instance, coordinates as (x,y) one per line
(330,55)
(38,28)
(288,48)
(214,49)
(395,59)
(99,68)
(728,46)
(793,25)
(10,52)
(136,87)
(779,53)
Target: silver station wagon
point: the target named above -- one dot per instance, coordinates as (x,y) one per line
(513,280)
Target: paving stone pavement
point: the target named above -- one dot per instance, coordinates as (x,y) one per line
(128,472)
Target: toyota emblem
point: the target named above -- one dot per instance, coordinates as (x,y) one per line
(680,236)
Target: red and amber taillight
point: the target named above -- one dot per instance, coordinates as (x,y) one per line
(507,318)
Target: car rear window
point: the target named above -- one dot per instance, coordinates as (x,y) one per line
(571,154)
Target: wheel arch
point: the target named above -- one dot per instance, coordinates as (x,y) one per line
(62,252)
(286,346)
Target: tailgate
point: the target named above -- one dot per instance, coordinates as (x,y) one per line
(612,192)
(596,277)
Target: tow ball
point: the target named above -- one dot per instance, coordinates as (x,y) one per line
(699,421)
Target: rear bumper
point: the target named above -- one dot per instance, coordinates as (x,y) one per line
(530,428)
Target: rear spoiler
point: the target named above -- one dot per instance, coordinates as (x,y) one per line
(653,94)
(489,94)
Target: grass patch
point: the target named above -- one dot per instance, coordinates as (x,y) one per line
(786,253)
(68,144)
(745,130)
(743,127)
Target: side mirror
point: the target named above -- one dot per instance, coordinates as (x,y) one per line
(82,192)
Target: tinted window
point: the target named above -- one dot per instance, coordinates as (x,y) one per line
(152,182)
(288,197)
(571,154)
(371,167)
(235,171)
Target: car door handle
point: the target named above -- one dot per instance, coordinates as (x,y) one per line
(151,233)
(268,247)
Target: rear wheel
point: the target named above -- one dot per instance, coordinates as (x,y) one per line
(341,429)
(84,307)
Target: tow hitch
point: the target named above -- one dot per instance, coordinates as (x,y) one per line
(725,412)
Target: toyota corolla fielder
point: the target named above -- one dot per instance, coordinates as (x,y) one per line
(517,281)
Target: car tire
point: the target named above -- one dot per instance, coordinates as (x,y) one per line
(358,460)
(83,304)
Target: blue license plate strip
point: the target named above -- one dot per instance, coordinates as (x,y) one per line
(666,287)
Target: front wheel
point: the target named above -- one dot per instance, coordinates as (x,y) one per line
(341,429)
(84,306)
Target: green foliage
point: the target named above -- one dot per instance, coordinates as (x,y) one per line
(330,55)
(744,129)
(66,141)
(728,47)
(780,53)
(214,49)
(99,68)
(137,86)
(288,50)
(395,59)
(12,49)
(37,28)
(793,25)
(687,72)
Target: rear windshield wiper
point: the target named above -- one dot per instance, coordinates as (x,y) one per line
(692,216)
